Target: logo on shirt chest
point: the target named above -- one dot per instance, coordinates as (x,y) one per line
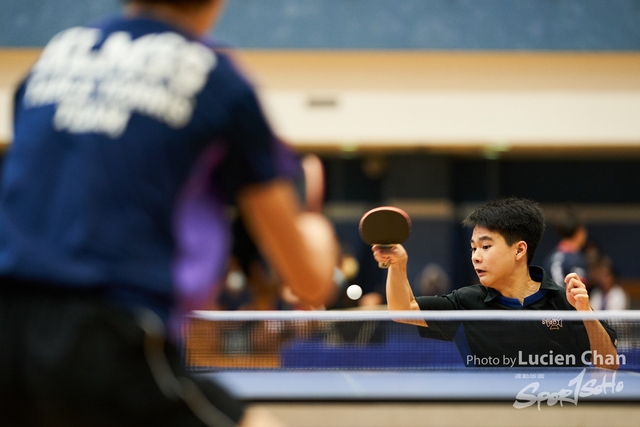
(552,324)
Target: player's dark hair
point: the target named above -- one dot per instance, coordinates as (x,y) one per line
(514,219)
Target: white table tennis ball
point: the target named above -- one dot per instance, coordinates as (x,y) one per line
(354,292)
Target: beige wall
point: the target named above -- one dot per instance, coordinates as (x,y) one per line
(446,101)
(14,64)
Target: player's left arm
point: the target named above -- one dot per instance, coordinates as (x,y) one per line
(599,339)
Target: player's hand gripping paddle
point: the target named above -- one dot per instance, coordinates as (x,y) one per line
(385,226)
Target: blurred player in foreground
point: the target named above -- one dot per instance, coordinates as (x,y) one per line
(131,138)
(506,234)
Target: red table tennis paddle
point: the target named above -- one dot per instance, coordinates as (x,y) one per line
(386,226)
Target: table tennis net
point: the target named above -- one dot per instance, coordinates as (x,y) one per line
(217,340)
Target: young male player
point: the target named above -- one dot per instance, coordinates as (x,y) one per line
(505,236)
(132,137)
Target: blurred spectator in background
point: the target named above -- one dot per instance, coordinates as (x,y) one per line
(568,256)
(235,293)
(261,287)
(347,274)
(371,299)
(250,282)
(606,292)
(592,252)
(433,280)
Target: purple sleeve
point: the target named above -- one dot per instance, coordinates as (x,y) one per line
(247,153)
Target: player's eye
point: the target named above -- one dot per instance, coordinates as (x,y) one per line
(485,247)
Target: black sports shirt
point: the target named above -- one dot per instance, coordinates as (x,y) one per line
(549,342)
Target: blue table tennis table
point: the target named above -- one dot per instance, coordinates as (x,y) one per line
(468,384)
(407,381)
(466,397)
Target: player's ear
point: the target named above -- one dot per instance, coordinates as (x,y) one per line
(521,249)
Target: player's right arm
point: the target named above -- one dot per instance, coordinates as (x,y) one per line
(399,293)
(300,245)
(599,339)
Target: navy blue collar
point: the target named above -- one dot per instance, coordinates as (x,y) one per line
(514,303)
(536,273)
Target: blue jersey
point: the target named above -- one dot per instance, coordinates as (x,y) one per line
(562,262)
(131,138)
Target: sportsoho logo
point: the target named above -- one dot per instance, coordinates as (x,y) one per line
(576,388)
